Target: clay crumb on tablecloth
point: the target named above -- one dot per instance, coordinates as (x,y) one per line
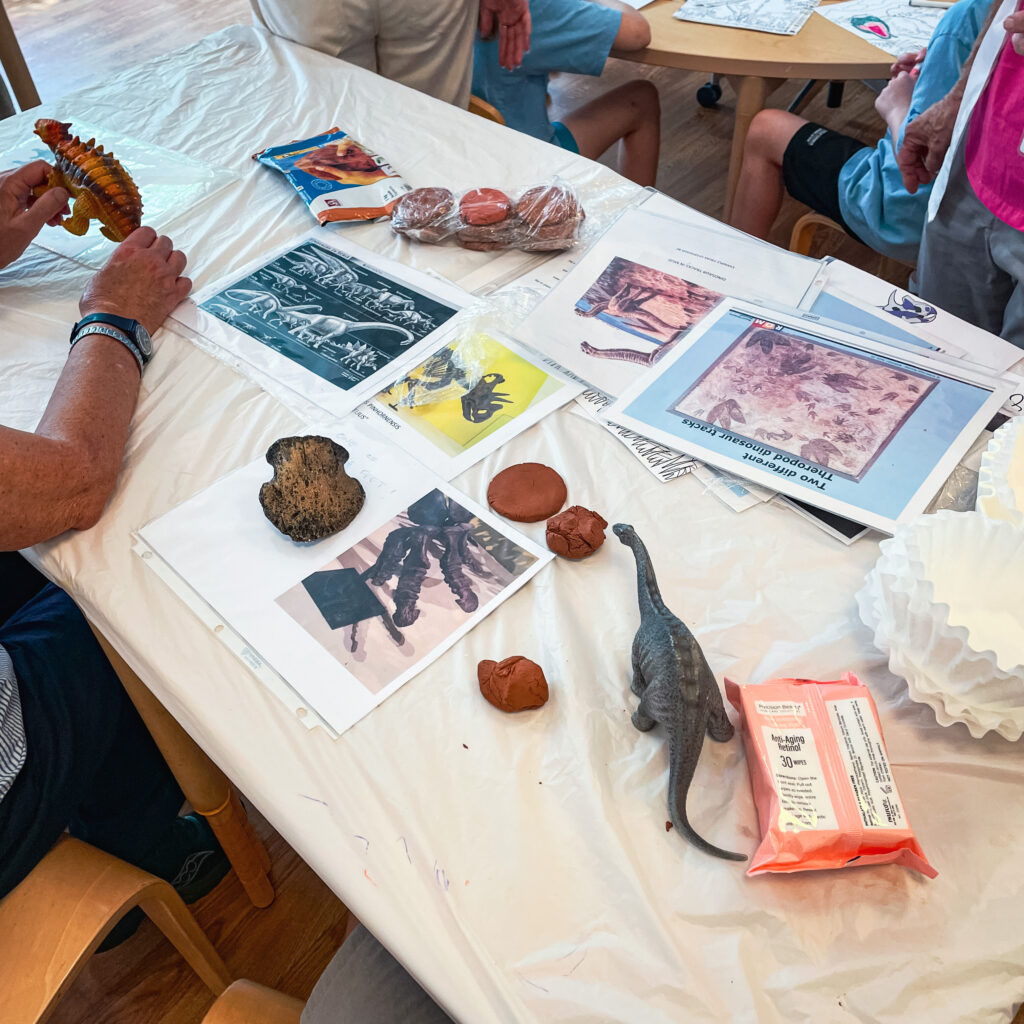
(515,684)
(575,533)
(527,492)
(310,496)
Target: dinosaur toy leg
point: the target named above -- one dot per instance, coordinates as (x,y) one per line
(642,719)
(719,727)
(107,233)
(639,684)
(82,212)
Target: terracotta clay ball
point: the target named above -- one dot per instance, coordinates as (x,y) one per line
(527,492)
(482,206)
(515,684)
(422,207)
(576,533)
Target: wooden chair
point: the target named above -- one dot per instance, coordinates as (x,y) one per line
(52,923)
(805,229)
(484,109)
(14,65)
(245,1002)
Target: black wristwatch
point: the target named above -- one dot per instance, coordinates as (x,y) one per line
(130,333)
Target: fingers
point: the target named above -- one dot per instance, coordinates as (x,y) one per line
(32,174)
(177,262)
(486,22)
(163,246)
(182,287)
(140,238)
(46,209)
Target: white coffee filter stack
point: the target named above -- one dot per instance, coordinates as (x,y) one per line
(946,603)
(1001,477)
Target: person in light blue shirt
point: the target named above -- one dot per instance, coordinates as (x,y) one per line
(858,186)
(576,36)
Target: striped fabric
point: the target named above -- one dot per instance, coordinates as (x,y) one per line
(12,731)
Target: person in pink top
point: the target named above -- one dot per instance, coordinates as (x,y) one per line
(972,255)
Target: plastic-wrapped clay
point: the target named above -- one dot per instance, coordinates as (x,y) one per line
(546,217)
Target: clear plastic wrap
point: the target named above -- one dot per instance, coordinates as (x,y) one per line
(543,218)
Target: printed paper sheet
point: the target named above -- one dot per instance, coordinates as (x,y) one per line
(349,619)
(329,319)
(780,17)
(893,25)
(855,427)
(643,286)
(467,398)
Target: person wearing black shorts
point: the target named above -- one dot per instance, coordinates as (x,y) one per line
(785,153)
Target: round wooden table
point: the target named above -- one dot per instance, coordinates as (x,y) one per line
(756,63)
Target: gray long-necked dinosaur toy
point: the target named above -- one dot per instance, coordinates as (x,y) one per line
(676,687)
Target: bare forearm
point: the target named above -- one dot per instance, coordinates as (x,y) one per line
(60,476)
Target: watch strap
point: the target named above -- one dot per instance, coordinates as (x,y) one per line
(117,334)
(122,322)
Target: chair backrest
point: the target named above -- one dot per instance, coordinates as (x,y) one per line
(14,64)
(484,109)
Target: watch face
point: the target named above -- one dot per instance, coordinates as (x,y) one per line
(143,340)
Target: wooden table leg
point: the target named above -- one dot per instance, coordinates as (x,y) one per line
(751,92)
(205,786)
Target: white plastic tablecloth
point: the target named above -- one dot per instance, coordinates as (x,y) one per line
(519,865)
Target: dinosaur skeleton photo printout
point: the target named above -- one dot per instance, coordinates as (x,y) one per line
(643,285)
(855,427)
(347,620)
(333,322)
(465,400)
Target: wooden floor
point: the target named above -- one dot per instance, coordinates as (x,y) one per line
(71,43)
(285,946)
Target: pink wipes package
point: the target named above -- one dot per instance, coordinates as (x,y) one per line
(824,793)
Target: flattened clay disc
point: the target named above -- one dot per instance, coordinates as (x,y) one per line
(527,493)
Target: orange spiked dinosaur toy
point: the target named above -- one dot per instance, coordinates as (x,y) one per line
(101,189)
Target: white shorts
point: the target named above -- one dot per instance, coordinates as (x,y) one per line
(425,44)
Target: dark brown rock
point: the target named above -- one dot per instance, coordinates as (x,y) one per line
(575,533)
(515,684)
(311,496)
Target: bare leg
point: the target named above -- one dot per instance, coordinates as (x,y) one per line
(631,113)
(760,189)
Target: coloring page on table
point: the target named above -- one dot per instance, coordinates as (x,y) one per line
(467,398)
(852,426)
(893,25)
(858,298)
(349,619)
(780,17)
(643,285)
(330,320)
(168,182)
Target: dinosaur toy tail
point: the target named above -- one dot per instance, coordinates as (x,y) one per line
(684,749)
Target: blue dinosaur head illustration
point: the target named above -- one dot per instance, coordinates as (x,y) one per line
(912,310)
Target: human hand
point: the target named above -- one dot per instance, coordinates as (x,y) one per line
(512,18)
(908,62)
(22,216)
(893,102)
(925,142)
(1014,24)
(141,281)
